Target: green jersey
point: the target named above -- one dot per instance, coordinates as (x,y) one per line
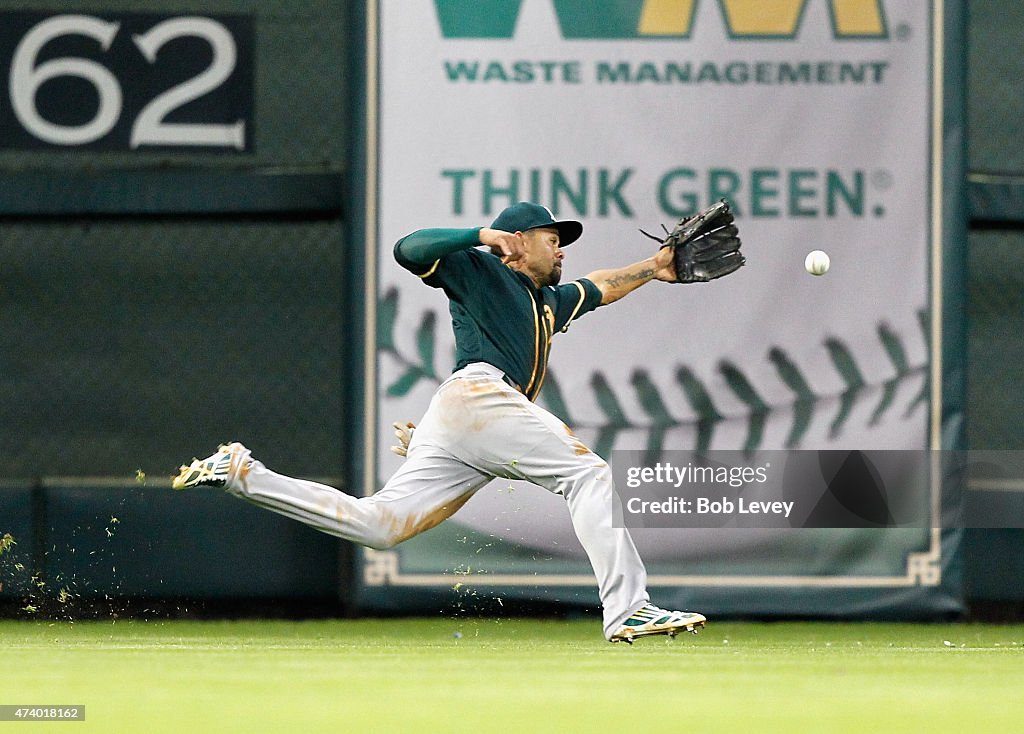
(498,315)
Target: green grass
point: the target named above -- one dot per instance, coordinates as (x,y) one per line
(515,675)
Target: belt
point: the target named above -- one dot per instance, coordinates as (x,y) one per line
(492,370)
(511,383)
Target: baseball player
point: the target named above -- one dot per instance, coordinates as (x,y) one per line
(506,305)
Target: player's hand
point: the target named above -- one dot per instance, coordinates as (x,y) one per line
(665,266)
(512,246)
(403,432)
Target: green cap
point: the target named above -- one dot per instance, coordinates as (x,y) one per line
(526,215)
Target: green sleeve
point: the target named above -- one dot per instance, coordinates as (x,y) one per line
(574,299)
(418,251)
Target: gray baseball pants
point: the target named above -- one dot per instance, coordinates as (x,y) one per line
(477,428)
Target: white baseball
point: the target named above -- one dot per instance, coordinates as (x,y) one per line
(817,262)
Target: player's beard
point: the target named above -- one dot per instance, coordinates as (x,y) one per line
(555,275)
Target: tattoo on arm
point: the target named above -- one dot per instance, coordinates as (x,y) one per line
(615,283)
(626,278)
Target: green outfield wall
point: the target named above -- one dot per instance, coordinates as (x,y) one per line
(995,364)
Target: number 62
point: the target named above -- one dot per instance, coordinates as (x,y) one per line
(149,127)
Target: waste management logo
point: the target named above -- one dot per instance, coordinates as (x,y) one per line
(582,19)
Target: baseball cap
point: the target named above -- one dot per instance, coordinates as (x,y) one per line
(527,215)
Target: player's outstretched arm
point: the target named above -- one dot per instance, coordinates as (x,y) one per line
(618,282)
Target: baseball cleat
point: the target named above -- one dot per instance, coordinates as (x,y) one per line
(652,620)
(214,471)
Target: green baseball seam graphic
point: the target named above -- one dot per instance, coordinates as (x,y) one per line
(387,313)
(657,419)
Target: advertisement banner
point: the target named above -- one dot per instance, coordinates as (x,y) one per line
(814,120)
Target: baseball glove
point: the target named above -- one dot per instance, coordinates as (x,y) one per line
(705,246)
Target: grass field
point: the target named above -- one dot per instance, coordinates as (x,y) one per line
(481,675)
